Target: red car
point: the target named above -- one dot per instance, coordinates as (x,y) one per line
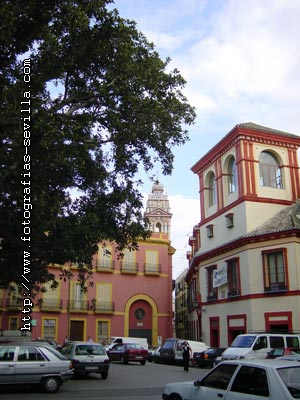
(128,352)
(274,353)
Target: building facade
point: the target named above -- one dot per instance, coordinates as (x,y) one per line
(244,264)
(181,310)
(130,296)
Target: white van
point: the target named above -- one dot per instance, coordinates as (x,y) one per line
(257,345)
(122,339)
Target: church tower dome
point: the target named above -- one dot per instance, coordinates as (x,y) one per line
(158,210)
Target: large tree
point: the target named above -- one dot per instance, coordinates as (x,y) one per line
(86,101)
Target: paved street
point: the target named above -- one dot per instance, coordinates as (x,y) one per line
(124,383)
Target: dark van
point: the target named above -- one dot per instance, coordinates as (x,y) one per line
(171,350)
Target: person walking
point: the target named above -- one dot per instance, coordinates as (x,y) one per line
(186,355)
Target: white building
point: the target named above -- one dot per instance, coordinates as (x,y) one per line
(244,267)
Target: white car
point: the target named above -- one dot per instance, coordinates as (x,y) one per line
(242,380)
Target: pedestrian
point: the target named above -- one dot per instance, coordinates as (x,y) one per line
(186,355)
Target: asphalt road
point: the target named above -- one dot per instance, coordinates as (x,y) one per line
(124,382)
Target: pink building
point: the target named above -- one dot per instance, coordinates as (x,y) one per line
(130,296)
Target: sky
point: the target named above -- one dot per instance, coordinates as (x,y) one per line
(241,61)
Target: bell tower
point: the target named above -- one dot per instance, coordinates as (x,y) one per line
(158,210)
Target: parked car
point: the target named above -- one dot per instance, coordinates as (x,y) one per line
(153,354)
(35,364)
(87,357)
(207,357)
(290,358)
(274,353)
(52,343)
(241,380)
(127,352)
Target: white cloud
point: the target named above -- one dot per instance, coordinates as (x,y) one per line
(186,214)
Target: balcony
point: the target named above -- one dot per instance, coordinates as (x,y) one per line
(79,306)
(276,287)
(54,305)
(234,292)
(152,269)
(105,266)
(103,307)
(14,303)
(129,267)
(212,298)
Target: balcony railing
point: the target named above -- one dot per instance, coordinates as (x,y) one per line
(152,269)
(79,305)
(51,304)
(213,297)
(105,265)
(234,292)
(129,267)
(276,287)
(14,303)
(103,307)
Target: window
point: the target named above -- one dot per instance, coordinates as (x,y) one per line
(29,354)
(129,263)
(229,220)
(212,293)
(152,266)
(220,377)
(276,342)
(104,260)
(210,231)
(103,331)
(233,278)
(274,271)
(49,328)
(212,195)
(51,297)
(269,170)
(232,176)
(104,297)
(252,381)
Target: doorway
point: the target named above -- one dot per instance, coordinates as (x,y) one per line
(76,330)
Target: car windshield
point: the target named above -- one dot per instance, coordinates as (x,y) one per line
(291,378)
(243,341)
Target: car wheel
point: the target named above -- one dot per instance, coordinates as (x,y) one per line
(104,375)
(50,384)
(143,362)
(175,397)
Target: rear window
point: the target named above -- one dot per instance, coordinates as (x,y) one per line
(291,378)
(90,349)
(168,345)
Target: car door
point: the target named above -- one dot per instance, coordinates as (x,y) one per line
(7,363)
(31,365)
(115,352)
(214,386)
(249,382)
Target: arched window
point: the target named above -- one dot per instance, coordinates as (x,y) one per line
(269,170)
(232,176)
(212,190)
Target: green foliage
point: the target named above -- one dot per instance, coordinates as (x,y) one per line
(101,105)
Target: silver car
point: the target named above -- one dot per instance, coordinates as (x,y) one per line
(33,363)
(87,357)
